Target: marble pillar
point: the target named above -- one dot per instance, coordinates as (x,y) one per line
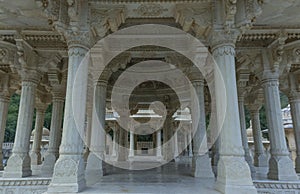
(4,104)
(94,168)
(18,164)
(215,157)
(295,111)
(114,148)
(88,135)
(122,148)
(175,137)
(185,143)
(55,134)
(233,171)
(280,164)
(35,154)
(244,133)
(131,144)
(68,175)
(201,164)
(260,157)
(168,147)
(190,143)
(158,144)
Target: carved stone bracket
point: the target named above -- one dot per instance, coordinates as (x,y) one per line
(196,19)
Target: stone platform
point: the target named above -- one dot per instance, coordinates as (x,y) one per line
(170,178)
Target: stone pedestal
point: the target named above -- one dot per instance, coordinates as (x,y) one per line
(4,104)
(260,158)
(55,135)
(201,164)
(233,171)
(295,111)
(94,167)
(280,165)
(18,164)
(35,154)
(68,175)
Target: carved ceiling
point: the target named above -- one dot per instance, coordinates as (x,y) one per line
(24,19)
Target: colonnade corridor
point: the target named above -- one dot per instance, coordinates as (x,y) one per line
(149,96)
(174,177)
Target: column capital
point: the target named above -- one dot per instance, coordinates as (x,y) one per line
(30,75)
(41,107)
(7,86)
(224,41)
(77,50)
(254,109)
(198,82)
(269,78)
(294,95)
(58,92)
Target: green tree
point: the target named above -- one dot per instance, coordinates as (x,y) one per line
(12,118)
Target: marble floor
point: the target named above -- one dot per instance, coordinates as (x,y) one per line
(170,178)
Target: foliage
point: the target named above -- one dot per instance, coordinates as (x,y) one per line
(12,118)
(262,113)
(14,107)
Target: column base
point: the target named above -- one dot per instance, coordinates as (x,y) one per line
(297,161)
(250,163)
(234,176)
(94,169)
(68,176)
(18,166)
(201,167)
(35,158)
(48,164)
(281,168)
(260,160)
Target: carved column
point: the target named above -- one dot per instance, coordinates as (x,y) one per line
(114,149)
(158,144)
(294,100)
(175,144)
(122,148)
(280,164)
(233,172)
(55,131)
(216,156)
(131,144)
(4,104)
(260,158)
(35,154)
(201,165)
(18,164)
(168,151)
(244,132)
(185,143)
(68,173)
(88,134)
(190,143)
(94,168)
